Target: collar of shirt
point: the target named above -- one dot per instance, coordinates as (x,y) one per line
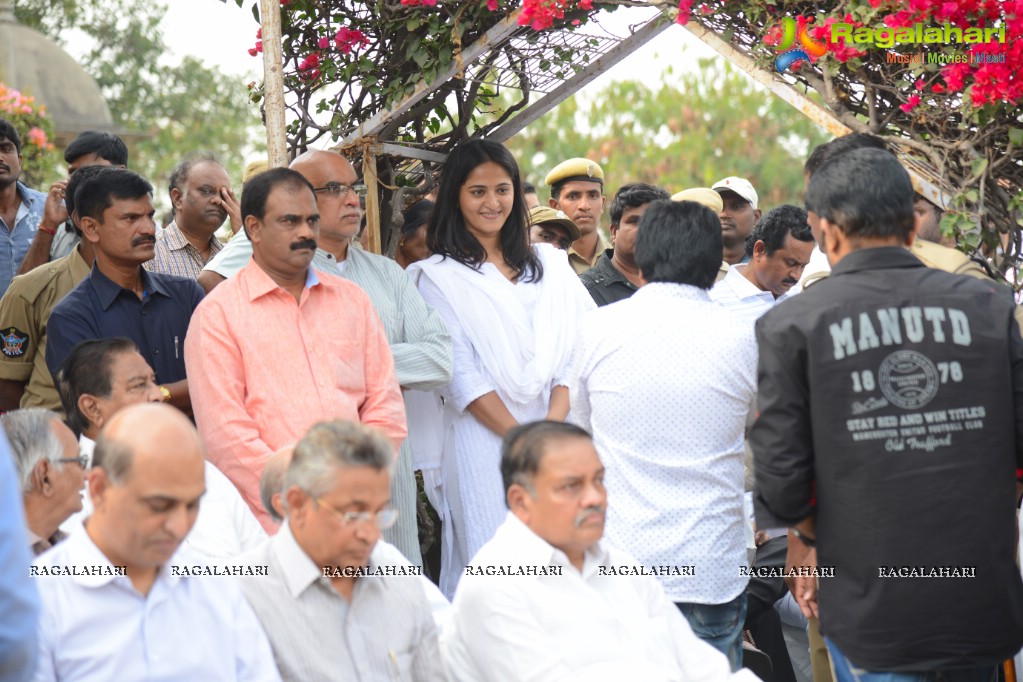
(609,273)
(258,283)
(532,550)
(744,288)
(879,258)
(108,290)
(662,290)
(79,268)
(82,551)
(602,246)
(176,239)
(30,200)
(300,573)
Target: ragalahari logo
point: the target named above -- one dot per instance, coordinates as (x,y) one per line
(808,49)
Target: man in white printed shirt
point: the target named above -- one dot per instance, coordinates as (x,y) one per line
(546,599)
(115,605)
(665,382)
(779,248)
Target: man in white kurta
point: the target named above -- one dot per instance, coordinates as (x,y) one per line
(547,599)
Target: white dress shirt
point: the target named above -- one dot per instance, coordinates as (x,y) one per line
(225,526)
(665,381)
(99,627)
(741,296)
(574,626)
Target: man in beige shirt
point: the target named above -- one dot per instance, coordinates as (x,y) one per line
(577,189)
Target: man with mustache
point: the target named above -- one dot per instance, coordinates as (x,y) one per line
(548,599)
(200,192)
(120,297)
(577,189)
(281,346)
(778,249)
(738,216)
(419,341)
(21,208)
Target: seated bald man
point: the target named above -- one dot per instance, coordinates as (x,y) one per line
(546,599)
(113,605)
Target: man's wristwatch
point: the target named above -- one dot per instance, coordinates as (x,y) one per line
(809,542)
(165,392)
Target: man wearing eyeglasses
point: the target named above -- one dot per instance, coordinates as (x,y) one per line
(200,192)
(281,346)
(418,338)
(336,602)
(51,469)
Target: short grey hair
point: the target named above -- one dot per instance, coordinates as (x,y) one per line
(330,445)
(32,440)
(271,482)
(113,457)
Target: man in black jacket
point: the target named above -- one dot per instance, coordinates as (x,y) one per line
(891,428)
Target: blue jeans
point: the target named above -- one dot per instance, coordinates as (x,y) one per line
(846,671)
(719,625)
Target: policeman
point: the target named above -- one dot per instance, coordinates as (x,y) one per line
(577,189)
(551,226)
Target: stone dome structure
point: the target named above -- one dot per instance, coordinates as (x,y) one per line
(37,66)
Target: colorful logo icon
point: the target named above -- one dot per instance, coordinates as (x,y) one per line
(808,49)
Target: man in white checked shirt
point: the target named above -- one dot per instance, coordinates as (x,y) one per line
(337,603)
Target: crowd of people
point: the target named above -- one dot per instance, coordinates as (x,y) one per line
(648,457)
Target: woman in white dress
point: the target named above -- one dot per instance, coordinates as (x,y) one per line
(513,312)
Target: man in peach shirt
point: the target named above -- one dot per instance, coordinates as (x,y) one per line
(280,347)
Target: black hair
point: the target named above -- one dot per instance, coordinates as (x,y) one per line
(524,447)
(528,188)
(776,225)
(824,153)
(634,195)
(97,193)
(86,369)
(75,182)
(679,242)
(101,143)
(446,233)
(920,197)
(257,190)
(179,176)
(416,215)
(10,132)
(865,192)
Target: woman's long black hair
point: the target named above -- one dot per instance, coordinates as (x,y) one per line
(446,233)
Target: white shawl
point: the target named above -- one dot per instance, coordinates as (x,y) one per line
(522,355)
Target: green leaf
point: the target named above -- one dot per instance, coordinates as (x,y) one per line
(979,166)
(1016,136)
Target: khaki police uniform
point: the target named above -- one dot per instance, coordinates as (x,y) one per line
(24,312)
(586,171)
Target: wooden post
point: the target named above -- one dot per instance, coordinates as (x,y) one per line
(369,177)
(273,83)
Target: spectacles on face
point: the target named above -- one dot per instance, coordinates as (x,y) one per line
(338,191)
(80,460)
(382,519)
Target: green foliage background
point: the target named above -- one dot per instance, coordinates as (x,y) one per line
(703,122)
(167,109)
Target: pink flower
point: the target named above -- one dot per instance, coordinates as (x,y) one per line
(323,43)
(919,85)
(685,9)
(585,4)
(492,5)
(37,137)
(910,104)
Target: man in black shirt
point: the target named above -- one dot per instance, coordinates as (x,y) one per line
(891,428)
(615,276)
